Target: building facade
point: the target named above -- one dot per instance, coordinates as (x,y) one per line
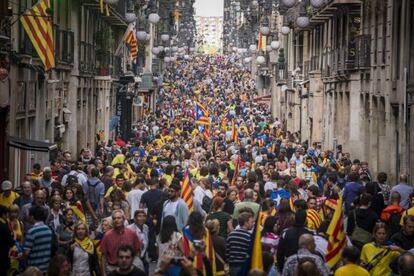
(209,31)
(349,82)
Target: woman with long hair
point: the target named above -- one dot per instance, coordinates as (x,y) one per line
(285,217)
(198,242)
(269,239)
(83,254)
(377,256)
(71,201)
(219,244)
(169,240)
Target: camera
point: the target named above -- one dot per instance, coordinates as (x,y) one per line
(177,260)
(197,244)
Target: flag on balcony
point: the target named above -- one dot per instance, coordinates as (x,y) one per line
(38,26)
(104,7)
(131,40)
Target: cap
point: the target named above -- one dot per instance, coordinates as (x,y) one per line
(6,185)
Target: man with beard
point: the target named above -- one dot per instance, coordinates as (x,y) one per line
(175,206)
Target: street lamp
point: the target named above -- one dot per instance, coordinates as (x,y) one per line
(317,3)
(252,48)
(155,50)
(264,30)
(142,35)
(285,30)
(288,3)
(165,37)
(153,18)
(302,21)
(130,17)
(260,59)
(275,45)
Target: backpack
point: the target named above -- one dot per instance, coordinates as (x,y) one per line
(206,204)
(93,199)
(393,223)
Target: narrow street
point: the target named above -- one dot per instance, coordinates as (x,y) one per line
(195,137)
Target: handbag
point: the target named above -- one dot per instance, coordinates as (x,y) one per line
(360,235)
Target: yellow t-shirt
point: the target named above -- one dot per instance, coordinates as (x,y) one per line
(351,269)
(7,201)
(168,178)
(405,213)
(382,267)
(118,159)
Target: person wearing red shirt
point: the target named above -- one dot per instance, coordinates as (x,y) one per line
(114,238)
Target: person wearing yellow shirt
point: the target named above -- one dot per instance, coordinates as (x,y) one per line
(376,256)
(168,175)
(409,211)
(119,183)
(120,157)
(7,197)
(350,259)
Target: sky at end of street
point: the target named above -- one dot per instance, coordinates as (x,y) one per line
(209,7)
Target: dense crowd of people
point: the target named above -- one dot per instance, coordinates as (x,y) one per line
(205,175)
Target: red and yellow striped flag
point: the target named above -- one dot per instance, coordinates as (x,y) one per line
(337,236)
(313,218)
(234,132)
(38,25)
(187,190)
(236,172)
(131,40)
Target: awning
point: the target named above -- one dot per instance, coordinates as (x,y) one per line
(33,145)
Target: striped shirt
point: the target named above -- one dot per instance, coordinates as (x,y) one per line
(238,244)
(39,244)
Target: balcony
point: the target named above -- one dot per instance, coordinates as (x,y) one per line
(116,11)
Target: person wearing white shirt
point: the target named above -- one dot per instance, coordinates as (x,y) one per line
(142,231)
(134,196)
